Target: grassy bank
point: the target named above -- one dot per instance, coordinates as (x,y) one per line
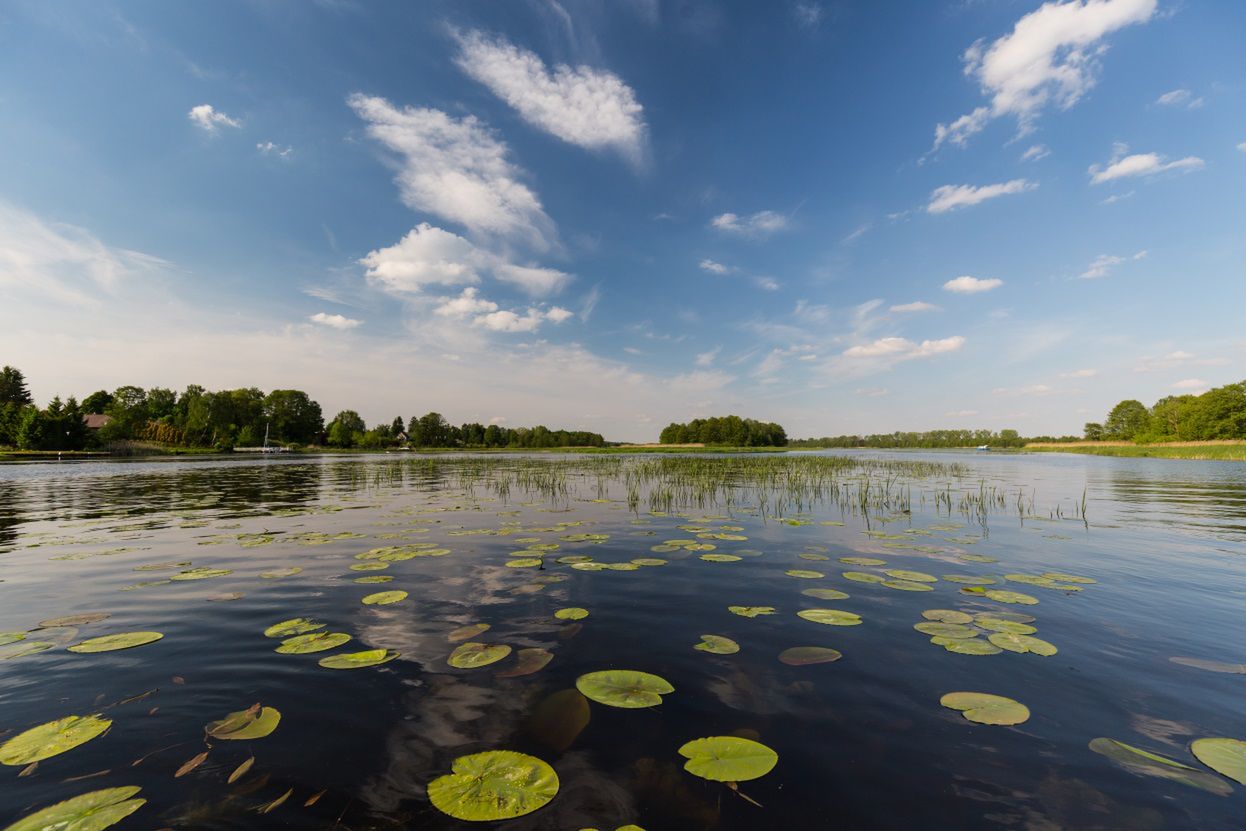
(1228,451)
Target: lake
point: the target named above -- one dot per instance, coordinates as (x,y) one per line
(1116,567)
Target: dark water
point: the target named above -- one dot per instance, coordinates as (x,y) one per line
(862,742)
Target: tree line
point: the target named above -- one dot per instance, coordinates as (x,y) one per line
(1219,413)
(928,439)
(729,430)
(225,419)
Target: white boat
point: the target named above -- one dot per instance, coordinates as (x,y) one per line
(983,447)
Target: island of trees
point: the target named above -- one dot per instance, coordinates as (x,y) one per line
(1219,413)
(131,416)
(928,439)
(729,430)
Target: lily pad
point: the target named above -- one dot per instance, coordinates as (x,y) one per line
(907,585)
(1069,578)
(1225,756)
(7,638)
(912,576)
(52,739)
(1000,625)
(862,561)
(315,642)
(946,630)
(384,598)
(93,811)
(1145,763)
(474,654)
(831,617)
(571,613)
(358,660)
(23,648)
(718,645)
(719,558)
(111,643)
(624,688)
(467,632)
(970,580)
(1001,596)
(373,579)
(528,661)
(825,594)
(524,562)
(276,574)
(966,646)
(728,759)
(293,626)
(799,656)
(1211,666)
(947,616)
(255,722)
(649,561)
(863,577)
(804,574)
(74,620)
(203,573)
(985,708)
(494,785)
(751,611)
(1022,643)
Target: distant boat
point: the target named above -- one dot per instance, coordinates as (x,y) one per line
(270,448)
(983,447)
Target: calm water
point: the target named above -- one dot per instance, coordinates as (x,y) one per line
(862,742)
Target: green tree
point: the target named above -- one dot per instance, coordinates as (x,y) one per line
(97,401)
(1127,419)
(346,429)
(1093,431)
(13,388)
(293,416)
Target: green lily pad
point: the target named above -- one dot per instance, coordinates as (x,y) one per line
(1145,763)
(751,611)
(1211,666)
(907,585)
(111,643)
(911,576)
(384,598)
(718,645)
(52,739)
(464,633)
(571,613)
(862,561)
(1022,643)
(624,688)
(946,630)
(524,562)
(7,638)
(23,648)
(799,656)
(863,577)
(966,646)
(528,661)
(293,626)
(372,579)
(804,574)
(1001,596)
(947,616)
(649,561)
(93,811)
(494,785)
(315,642)
(970,580)
(985,708)
(1226,757)
(1015,617)
(719,558)
(1069,578)
(280,572)
(825,594)
(369,566)
(474,654)
(74,620)
(203,573)
(1000,625)
(358,660)
(831,617)
(255,722)
(728,759)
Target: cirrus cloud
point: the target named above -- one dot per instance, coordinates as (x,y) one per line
(951,197)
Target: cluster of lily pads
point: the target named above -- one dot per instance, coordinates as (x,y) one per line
(958,631)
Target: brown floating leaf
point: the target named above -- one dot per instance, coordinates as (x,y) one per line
(1211,666)
(276,803)
(314,798)
(240,771)
(190,764)
(179,680)
(29,769)
(527,662)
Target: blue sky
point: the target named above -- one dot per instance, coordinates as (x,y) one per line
(842,216)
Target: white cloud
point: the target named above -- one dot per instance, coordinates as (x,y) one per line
(1191,384)
(950,197)
(1104,263)
(915,306)
(591,108)
(871,392)
(767,283)
(971,285)
(713,267)
(467,304)
(1116,197)
(903,349)
(558,314)
(808,15)
(760,224)
(508,321)
(707,358)
(1035,152)
(428,255)
(457,169)
(857,233)
(961,413)
(1175,359)
(1180,98)
(1121,166)
(268,148)
(1242,147)
(1050,57)
(1080,373)
(334,321)
(1031,390)
(206,117)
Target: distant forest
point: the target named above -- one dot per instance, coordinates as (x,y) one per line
(1219,413)
(930,438)
(729,430)
(226,419)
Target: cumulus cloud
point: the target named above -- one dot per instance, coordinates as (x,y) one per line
(1103,264)
(1191,384)
(457,169)
(808,15)
(1180,98)
(486,314)
(713,267)
(915,306)
(468,303)
(1051,56)
(760,224)
(208,118)
(334,321)
(971,285)
(1121,166)
(904,349)
(428,255)
(951,197)
(587,107)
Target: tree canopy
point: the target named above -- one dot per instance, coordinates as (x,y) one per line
(729,430)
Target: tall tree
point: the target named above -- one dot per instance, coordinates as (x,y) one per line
(13,387)
(346,429)
(1127,419)
(293,416)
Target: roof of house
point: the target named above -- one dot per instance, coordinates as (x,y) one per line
(94,421)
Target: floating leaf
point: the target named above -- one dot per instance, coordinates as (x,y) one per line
(804,574)
(799,656)
(825,594)
(52,739)
(751,611)
(947,616)
(571,613)
(831,617)
(384,598)
(255,722)
(1000,625)
(24,648)
(1145,763)
(467,632)
(225,597)
(473,654)
(718,645)
(495,785)
(1225,756)
(1068,578)
(728,759)
(293,626)
(1015,617)
(970,580)
(530,660)
(985,708)
(624,688)
(358,660)
(907,585)
(966,646)
(862,561)
(718,558)
(1211,666)
(524,562)
(240,771)
(315,642)
(202,573)
(276,803)
(111,643)
(190,764)
(1022,643)
(911,576)
(7,638)
(92,811)
(946,630)
(1001,596)
(74,620)
(863,577)
(281,572)
(373,578)
(649,561)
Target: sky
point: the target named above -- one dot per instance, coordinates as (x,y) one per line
(844,216)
